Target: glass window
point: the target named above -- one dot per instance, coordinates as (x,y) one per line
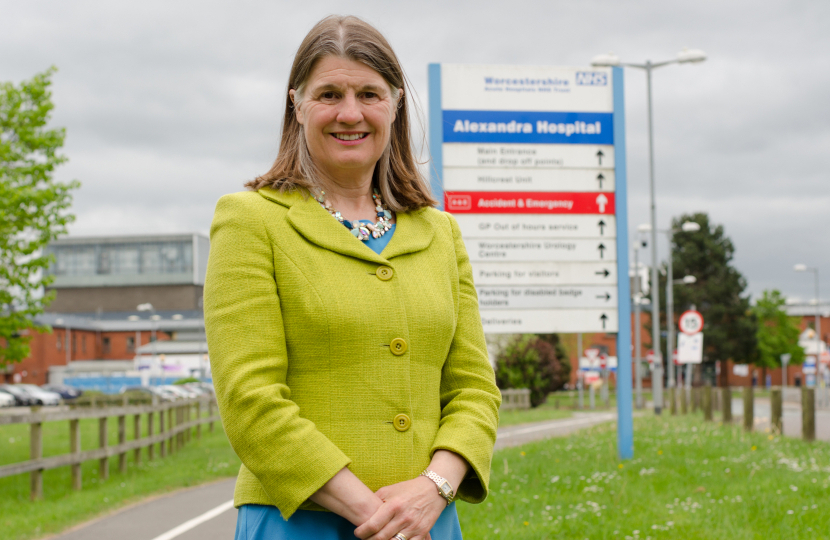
(105,345)
(130,344)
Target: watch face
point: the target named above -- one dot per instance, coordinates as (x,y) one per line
(445,488)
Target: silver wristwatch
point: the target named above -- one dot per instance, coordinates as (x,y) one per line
(444,487)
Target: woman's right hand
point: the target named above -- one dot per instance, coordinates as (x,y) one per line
(348,497)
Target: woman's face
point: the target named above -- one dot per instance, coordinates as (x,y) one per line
(347,112)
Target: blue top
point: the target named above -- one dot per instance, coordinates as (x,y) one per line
(377,244)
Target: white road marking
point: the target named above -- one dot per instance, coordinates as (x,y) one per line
(195,522)
(556,424)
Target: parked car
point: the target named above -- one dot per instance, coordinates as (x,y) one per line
(66,392)
(21,397)
(42,396)
(205,389)
(7,400)
(151,391)
(180,391)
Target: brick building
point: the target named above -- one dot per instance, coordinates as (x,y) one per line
(99,284)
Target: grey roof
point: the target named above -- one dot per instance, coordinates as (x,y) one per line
(174,347)
(123,239)
(190,320)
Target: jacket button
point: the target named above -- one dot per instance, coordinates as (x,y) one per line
(384,273)
(398,346)
(402,422)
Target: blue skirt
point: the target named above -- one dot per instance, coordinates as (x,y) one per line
(257,522)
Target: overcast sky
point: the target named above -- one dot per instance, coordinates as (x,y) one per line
(169,105)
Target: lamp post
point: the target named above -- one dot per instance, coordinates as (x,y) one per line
(688,227)
(686,56)
(638,361)
(814,270)
(153,318)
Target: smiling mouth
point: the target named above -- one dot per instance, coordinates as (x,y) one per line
(350,136)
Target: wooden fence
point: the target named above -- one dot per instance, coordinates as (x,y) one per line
(175,425)
(515,398)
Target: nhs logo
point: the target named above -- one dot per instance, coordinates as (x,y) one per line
(591,78)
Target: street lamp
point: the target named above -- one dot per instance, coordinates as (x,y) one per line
(149,307)
(814,270)
(688,227)
(685,56)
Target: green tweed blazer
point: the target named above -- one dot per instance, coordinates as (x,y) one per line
(327,355)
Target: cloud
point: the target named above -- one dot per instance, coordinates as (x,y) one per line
(169,105)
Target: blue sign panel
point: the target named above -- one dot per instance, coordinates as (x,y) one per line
(528,127)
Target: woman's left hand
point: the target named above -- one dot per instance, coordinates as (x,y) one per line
(410,508)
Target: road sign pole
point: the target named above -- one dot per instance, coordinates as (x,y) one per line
(625,423)
(638,346)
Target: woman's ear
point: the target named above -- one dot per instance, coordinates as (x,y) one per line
(297,113)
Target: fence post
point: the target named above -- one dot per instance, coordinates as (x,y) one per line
(726,404)
(776,406)
(151,448)
(695,399)
(104,463)
(122,438)
(707,402)
(808,413)
(171,425)
(210,414)
(75,448)
(684,406)
(199,419)
(749,411)
(672,400)
(162,449)
(36,452)
(137,436)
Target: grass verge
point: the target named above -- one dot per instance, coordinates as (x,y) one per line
(198,462)
(689,479)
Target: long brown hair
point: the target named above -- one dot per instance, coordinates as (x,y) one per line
(396,174)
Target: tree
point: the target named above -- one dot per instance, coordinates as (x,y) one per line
(730,327)
(535,362)
(33,208)
(777,332)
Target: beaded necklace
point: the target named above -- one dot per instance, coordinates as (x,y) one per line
(361,231)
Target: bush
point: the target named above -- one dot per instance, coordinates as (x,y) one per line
(538,363)
(186,380)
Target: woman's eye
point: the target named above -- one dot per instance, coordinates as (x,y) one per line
(328,95)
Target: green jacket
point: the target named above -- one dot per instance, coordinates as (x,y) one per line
(325,354)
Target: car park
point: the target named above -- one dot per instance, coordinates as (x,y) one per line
(65,392)
(42,396)
(21,397)
(181,392)
(7,400)
(150,391)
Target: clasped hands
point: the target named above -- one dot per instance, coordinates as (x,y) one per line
(410,508)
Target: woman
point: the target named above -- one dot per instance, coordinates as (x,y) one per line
(346,345)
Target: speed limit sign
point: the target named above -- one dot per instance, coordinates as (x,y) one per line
(691,322)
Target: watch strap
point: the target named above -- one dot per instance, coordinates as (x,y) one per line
(440,482)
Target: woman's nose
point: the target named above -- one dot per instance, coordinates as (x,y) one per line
(349,112)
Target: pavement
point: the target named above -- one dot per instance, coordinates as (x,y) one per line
(206,512)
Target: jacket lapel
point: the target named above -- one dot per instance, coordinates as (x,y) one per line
(413,230)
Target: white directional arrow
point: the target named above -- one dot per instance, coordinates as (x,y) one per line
(602,200)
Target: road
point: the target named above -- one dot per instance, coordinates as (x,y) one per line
(206,512)
(791,417)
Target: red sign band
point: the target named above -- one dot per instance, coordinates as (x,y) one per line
(487,202)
